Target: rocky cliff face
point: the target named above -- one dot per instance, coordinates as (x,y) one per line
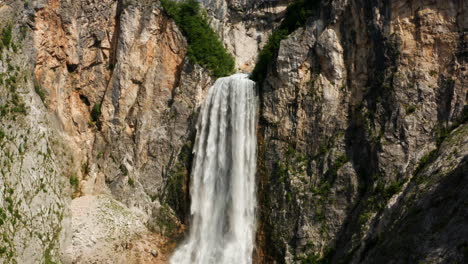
(33,193)
(101,101)
(362,130)
(244,25)
(351,109)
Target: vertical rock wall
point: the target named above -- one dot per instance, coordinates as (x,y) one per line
(362,130)
(350,108)
(35,160)
(109,103)
(245,25)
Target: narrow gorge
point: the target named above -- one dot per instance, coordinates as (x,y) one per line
(233,131)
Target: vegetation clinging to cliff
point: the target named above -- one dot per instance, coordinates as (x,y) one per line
(296,17)
(6,37)
(204,47)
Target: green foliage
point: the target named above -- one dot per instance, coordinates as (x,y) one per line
(165,222)
(204,47)
(410,109)
(48,259)
(319,214)
(425,160)
(333,170)
(364,217)
(317,259)
(296,17)
(14,47)
(85,168)
(131,182)
(96,112)
(23,30)
(311,259)
(177,184)
(16,106)
(123,169)
(74,181)
(378,199)
(442,133)
(12,69)
(323,189)
(268,54)
(393,189)
(39,91)
(6,36)
(21,108)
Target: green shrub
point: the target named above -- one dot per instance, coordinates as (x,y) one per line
(339,162)
(14,47)
(74,181)
(131,182)
(393,189)
(296,17)
(204,47)
(123,169)
(442,133)
(425,160)
(40,92)
(7,36)
(96,112)
(364,217)
(85,168)
(268,54)
(323,189)
(21,108)
(410,109)
(317,259)
(175,192)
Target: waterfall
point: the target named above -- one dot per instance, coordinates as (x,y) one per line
(223,177)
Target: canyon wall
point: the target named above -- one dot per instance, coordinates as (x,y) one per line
(362,152)
(245,25)
(363,127)
(99,101)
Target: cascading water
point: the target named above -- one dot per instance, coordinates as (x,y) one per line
(223,178)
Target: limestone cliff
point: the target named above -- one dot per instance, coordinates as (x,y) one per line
(362,152)
(98,101)
(351,108)
(244,25)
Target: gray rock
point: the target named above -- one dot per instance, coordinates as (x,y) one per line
(350,109)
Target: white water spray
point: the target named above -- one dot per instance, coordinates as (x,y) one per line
(223,178)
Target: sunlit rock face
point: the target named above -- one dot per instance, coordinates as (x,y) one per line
(245,25)
(361,133)
(110,100)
